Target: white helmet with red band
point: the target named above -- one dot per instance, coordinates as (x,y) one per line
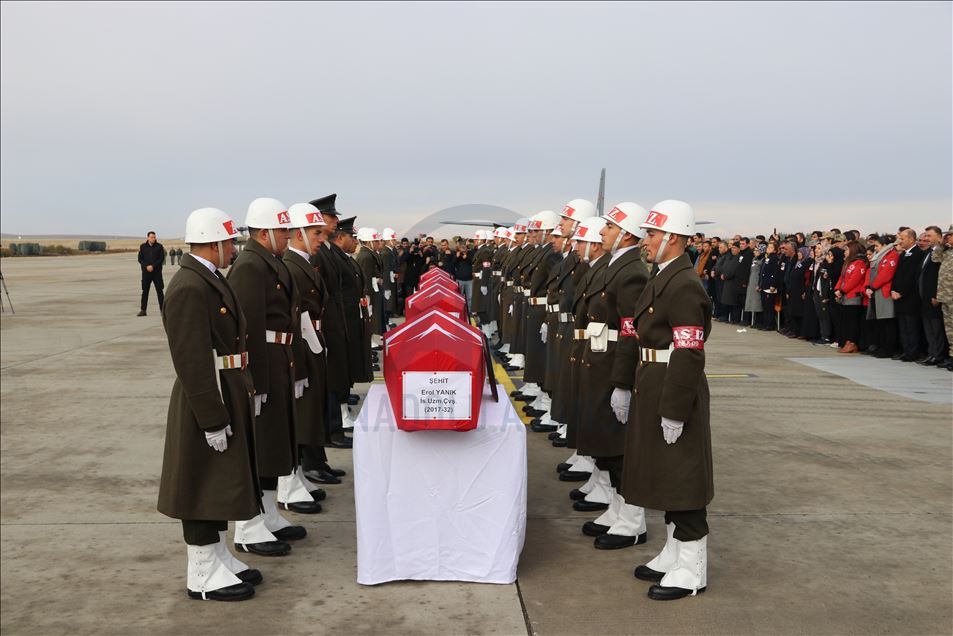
(520,226)
(305,215)
(588,230)
(629,216)
(557,231)
(671,216)
(209,225)
(388,234)
(578,210)
(267,214)
(500,232)
(367,234)
(545,220)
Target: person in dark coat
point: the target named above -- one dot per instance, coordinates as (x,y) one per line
(768,284)
(668,459)
(930,312)
(270,302)
(733,277)
(329,261)
(208,467)
(906,296)
(151,257)
(796,292)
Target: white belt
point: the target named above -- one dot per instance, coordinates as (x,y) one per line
(233,361)
(655,355)
(478,274)
(553,309)
(509,283)
(527,293)
(316,324)
(541,300)
(278,337)
(565,316)
(497,272)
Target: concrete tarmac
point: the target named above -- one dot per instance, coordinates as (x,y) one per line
(832,510)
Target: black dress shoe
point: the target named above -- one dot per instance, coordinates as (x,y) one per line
(574,475)
(645,573)
(929,362)
(659,593)
(321,477)
(906,358)
(615,541)
(531,412)
(337,472)
(250,576)
(576,495)
(352,399)
(543,428)
(522,397)
(881,354)
(896,356)
(237,592)
(560,443)
(563,466)
(290,533)
(342,442)
(266,548)
(377,367)
(588,506)
(510,367)
(553,435)
(141,313)
(302,508)
(593,529)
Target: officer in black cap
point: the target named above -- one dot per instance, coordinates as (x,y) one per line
(330,262)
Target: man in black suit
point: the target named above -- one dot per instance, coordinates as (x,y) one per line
(930,312)
(151,258)
(906,296)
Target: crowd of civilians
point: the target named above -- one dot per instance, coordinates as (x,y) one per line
(417,256)
(885,295)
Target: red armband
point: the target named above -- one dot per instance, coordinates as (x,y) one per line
(627,327)
(688,337)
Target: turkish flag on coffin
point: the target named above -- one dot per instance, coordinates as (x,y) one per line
(436,297)
(434,371)
(434,273)
(439,281)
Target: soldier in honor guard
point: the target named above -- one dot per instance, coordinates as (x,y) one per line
(668,462)
(496,283)
(607,371)
(269,300)
(514,357)
(209,473)
(331,262)
(356,309)
(514,249)
(596,493)
(366,257)
(550,328)
(534,285)
(388,254)
(310,349)
(481,281)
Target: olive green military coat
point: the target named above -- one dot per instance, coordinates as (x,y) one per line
(610,297)
(268,297)
(679,476)
(536,277)
(334,324)
(201,315)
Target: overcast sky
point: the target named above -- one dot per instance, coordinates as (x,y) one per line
(117,118)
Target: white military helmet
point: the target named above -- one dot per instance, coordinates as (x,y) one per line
(578,210)
(588,230)
(629,216)
(520,226)
(500,232)
(209,225)
(305,215)
(367,234)
(671,216)
(267,214)
(557,231)
(545,220)
(389,234)
(510,233)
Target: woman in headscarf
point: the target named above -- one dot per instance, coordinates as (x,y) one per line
(882,326)
(752,296)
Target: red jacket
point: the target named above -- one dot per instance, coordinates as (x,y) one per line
(885,272)
(853,280)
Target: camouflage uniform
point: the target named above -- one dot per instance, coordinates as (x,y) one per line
(944,288)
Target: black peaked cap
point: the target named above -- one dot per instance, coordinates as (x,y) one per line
(325,205)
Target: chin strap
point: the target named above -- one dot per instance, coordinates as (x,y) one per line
(221,254)
(661,249)
(271,238)
(585,256)
(305,240)
(618,239)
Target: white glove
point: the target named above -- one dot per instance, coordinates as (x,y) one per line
(299,387)
(510,312)
(543,332)
(218,440)
(671,430)
(386,294)
(484,290)
(260,399)
(620,401)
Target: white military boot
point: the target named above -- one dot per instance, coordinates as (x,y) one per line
(347,422)
(628,528)
(604,521)
(664,561)
(599,497)
(294,495)
(209,579)
(283,529)
(690,574)
(253,536)
(236,567)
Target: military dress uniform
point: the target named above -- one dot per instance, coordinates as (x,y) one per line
(520,296)
(496,275)
(608,362)
(389,271)
(330,264)
(535,278)
(507,293)
(270,302)
(213,389)
(373,278)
